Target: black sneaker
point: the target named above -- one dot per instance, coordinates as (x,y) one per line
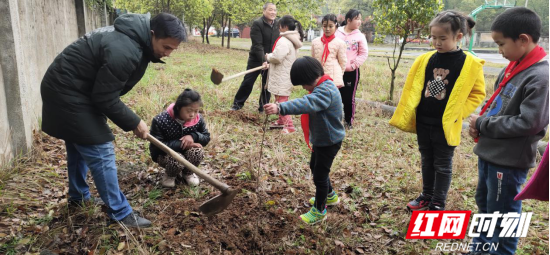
(422,202)
(435,206)
(133,220)
(235,108)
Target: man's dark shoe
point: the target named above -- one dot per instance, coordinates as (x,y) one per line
(234,108)
(133,220)
(420,203)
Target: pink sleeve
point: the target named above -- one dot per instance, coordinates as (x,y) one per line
(342,56)
(362,53)
(537,187)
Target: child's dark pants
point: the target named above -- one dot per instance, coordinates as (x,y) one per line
(321,161)
(437,162)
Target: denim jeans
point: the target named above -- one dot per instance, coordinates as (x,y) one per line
(100,159)
(496,188)
(321,161)
(437,162)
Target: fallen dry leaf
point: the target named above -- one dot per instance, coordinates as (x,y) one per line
(121,246)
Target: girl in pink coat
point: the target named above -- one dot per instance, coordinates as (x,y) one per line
(357,52)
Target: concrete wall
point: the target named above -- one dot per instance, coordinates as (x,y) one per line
(95,17)
(5,147)
(33,33)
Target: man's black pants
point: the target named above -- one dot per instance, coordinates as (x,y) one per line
(248,84)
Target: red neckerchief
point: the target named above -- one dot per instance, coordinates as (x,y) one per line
(513,68)
(272,49)
(325,41)
(305,117)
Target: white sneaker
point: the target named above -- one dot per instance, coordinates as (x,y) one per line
(168,182)
(191,179)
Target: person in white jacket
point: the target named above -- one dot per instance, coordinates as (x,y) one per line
(330,50)
(279,62)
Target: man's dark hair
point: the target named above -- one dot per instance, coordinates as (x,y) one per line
(305,71)
(187,97)
(518,20)
(167,25)
(266,5)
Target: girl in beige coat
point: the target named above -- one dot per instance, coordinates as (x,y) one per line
(330,51)
(285,51)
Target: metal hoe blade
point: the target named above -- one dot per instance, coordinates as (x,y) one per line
(218,203)
(214,205)
(216,77)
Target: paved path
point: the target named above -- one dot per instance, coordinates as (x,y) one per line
(489,57)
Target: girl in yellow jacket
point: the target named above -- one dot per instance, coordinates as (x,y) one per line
(442,88)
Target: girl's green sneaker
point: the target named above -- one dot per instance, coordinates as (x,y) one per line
(332,199)
(314,216)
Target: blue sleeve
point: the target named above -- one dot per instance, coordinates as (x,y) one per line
(318,100)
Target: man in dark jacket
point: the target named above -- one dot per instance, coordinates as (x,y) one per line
(264,33)
(82,88)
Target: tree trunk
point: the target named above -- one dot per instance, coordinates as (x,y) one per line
(393,70)
(208,25)
(207,30)
(222,30)
(392,84)
(228,35)
(203,27)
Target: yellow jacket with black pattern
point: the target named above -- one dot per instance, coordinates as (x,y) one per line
(467,94)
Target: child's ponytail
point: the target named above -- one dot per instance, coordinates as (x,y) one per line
(292,24)
(471,23)
(300,30)
(457,21)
